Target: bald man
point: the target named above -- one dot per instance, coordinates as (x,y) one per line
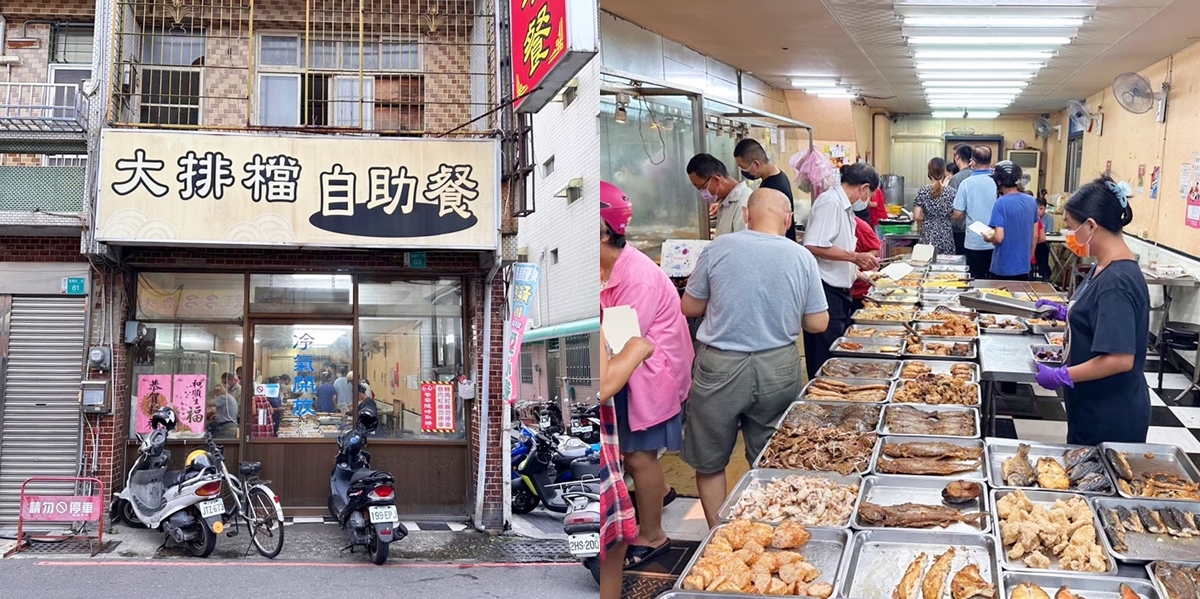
(756,290)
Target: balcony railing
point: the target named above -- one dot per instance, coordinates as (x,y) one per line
(42,108)
(50,189)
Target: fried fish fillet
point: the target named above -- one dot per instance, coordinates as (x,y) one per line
(968,583)
(931,588)
(1016,469)
(924,466)
(907,589)
(948,451)
(1051,475)
(913,515)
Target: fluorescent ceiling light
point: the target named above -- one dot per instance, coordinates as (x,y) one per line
(964,105)
(983,40)
(841,95)
(805,82)
(971,114)
(968,91)
(983,34)
(952,65)
(979,84)
(979,75)
(979,54)
(993,21)
(972,9)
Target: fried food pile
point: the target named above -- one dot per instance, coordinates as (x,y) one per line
(918,348)
(1158,484)
(938,389)
(1180,582)
(943,314)
(1066,530)
(823,448)
(915,369)
(933,458)
(991,321)
(953,326)
(757,558)
(875,369)
(823,389)
(850,346)
(1171,521)
(859,331)
(893,314)
(862,418)
(809,500)
(907,420)
(968,583)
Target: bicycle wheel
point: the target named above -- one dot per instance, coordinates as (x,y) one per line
(266,528)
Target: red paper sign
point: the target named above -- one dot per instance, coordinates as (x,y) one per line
(437,407)
(539,41)
(61,508)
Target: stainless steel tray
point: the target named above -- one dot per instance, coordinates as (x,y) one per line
(1158,583)
(897,328)
(884,430)
(876,559)
(1092,587)
(825,549)
(1002,449)
(925,326)
(894,490)
(998,304)
(950,263)
(758,478)
(1034,348)
(891,385)
(1143,546)
(979,474)
(1042,329)
(1167,458)
(922,315)
(1024,328)
(941,367)
(895,366)
(802,405)
(871,347)
(857,319)
(972,356)
(1047,499)
(900,384)
(1050,337)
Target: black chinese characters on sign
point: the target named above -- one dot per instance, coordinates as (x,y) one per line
(394,202)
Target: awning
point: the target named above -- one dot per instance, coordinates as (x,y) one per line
(578,327)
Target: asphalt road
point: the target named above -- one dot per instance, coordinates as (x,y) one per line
(169,579)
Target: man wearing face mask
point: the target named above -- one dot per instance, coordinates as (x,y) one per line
(830,237)
(724,195)
(752,159)
(1108,324)
(974,202)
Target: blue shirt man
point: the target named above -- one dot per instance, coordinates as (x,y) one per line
(1015,214)
(976,197)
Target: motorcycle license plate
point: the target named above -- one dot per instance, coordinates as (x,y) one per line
(585,544)
(383,513)
(544,423)
(211,508)
(586,428)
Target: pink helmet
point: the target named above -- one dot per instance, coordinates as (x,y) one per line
(615,208)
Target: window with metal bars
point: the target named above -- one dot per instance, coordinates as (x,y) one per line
(579,359)
(527,365)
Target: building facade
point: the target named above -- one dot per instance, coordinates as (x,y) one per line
(560,355)
(266,204)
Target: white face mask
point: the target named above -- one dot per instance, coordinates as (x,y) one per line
(708,196)
(859,206)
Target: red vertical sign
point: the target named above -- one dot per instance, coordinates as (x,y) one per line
(539,41)
(437,406)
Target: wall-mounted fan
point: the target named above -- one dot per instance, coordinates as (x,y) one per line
(1043,128)
(1083,120)
(1135,94)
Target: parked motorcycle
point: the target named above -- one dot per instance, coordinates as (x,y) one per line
(186,504)
(582,522)
(361,499)
(547,462)
(585,423)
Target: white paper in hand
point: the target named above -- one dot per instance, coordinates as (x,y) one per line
(896,271)
(980,228)
(620,325)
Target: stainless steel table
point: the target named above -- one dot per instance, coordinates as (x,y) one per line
(1003,359)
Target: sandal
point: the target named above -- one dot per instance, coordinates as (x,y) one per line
(638,555)
(671,496)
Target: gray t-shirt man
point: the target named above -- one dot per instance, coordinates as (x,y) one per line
(955,181)
(345,392)
(759,287)
(226,409)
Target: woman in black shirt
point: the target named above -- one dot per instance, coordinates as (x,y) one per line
(1107,398)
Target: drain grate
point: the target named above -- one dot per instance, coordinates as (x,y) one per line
(70,547)
(645,585)
(534,551)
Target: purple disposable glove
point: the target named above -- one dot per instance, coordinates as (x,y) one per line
(1060,311)
(1054,378)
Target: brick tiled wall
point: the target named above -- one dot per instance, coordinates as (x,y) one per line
(40,249)
(75,10)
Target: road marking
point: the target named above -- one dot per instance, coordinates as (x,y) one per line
(277,564)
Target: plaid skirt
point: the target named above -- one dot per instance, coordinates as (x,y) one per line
(618,523)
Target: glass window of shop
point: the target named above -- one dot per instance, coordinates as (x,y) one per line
(317,294)
(646,156)
(306,373)
(410,334)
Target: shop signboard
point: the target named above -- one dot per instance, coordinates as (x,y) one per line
(524,288)
(437,406)
(551,41)
(185,393)
(239,189)
(61,508)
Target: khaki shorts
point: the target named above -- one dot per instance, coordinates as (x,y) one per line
(732,390)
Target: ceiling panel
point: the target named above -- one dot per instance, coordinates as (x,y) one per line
(860,41)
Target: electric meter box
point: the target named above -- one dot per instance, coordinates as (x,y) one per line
(94,397)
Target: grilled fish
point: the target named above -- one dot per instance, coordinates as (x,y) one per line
(1051,475)
(1189,524)
(1173,518)
(1028,590)
(1065,593)
(914,515)
(931,588)
(1095,481)
(907,589)
(924,466)
(968,583)
(1129,520)
(1150,520)
(1120,464)
(1082,469)
(1177,582)
(1080,455)
(1128,593)
(1115,530)
(947,451)
(1017,471)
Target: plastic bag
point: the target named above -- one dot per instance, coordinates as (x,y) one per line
(814,172)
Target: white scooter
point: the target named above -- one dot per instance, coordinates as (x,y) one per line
(185,504)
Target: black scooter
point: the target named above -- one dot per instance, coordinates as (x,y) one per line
(361,499)
(542,466)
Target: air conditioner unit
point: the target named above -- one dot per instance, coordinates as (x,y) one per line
(1030,162)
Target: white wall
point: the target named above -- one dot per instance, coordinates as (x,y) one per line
(570,289)
(1185,303)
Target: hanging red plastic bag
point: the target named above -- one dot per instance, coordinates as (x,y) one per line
(814,171)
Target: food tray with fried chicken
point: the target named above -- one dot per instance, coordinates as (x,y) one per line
(887,564)
(865,346)
(812,498)
(1002,324)
(860,368)
(876,331)
(934,349)
(955,329)
(1152,471)
(944,313)
(1014,464)
(883,315)
(1041,326)
(967,371)
(1025,585)
(1143,530)
(919,420)
(922,503)
(848,390)
(761,559)
(937,389)
(948,458)
(1043,531)
(1175,579)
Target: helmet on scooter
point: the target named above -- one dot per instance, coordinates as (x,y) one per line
(198,460)
(164,417)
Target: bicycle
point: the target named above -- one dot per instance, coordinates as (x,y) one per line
(254,503)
